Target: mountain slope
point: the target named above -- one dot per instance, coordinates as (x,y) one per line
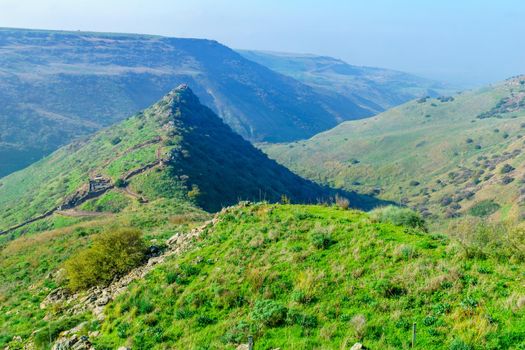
(448,157)
(55,86)
(376,89)
(177,149)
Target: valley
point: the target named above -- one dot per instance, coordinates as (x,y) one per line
(164,191)
(81,82)
(156,154)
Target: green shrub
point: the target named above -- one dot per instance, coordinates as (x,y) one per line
(506,168)
(321,237)
(269,312)
(113,253)
(120,183)
(399,216)
(205,320)
(459,345)
(484,208)
(116,140)
(303,320)
(481,238)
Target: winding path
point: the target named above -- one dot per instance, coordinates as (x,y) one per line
(80,213)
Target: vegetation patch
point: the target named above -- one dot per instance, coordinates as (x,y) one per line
(484,208)
(399,216)
(113,253)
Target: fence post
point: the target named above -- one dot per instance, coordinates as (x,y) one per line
(250,342)
(413,335)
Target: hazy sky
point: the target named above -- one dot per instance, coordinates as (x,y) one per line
(470,41)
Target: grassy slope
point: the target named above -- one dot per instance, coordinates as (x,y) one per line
(376,89)
(45,184)
(369,283)
(29,264)
(205,163)
(423,142)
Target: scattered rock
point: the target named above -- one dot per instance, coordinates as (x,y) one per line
(358,346)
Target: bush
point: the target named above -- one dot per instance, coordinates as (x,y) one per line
(113,253)
(115,141)
(484,208)
(480,238)
(120,183)
(321,237)
(459,345)
(269,312)
(506,168)
(399,216)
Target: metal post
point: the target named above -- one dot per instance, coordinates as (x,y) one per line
(413,335)
(250,342)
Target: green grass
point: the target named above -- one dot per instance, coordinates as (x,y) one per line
(422,152)
(110,202)
(45,184)
(29,264)
(261,271)
(197,149)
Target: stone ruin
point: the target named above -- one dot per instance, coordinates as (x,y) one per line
(96,185)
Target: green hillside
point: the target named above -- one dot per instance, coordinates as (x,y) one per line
(177,149)
(56,86)
(291,276)
(446,157)
(375,89)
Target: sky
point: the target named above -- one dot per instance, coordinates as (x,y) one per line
(464,42)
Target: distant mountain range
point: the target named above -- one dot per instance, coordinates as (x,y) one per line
(375,89)
(447,157)
(55,86)
(58,85)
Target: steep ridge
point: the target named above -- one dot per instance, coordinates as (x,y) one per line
(375,89)
(448,157)
(177,149)
(82,81)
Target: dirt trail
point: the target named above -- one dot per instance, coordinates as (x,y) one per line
(82,213)
(79,213)
(127,191)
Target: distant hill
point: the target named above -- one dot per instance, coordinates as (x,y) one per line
(375,89)
(176,150)
(460,155)
(55,86)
